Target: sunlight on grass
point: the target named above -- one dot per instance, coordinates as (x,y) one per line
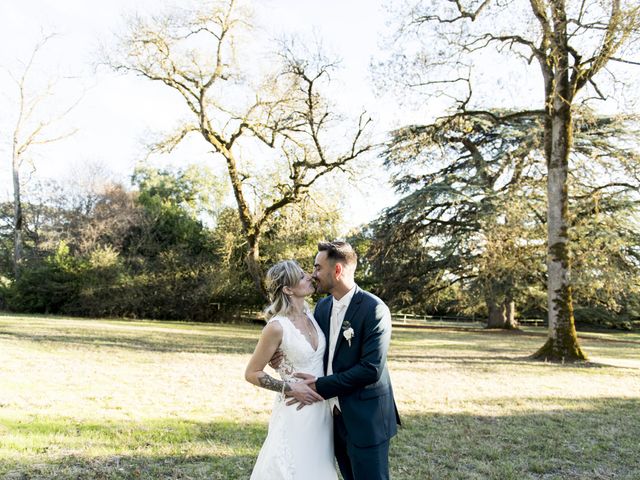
(136,399)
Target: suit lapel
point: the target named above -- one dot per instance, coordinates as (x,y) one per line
(324,314)
(354,305)
(323,318)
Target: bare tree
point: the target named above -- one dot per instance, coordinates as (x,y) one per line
(35,125)
(271,133)
(572,42)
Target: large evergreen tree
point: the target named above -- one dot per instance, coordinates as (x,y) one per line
(471,225)
(469,213)
(572,43)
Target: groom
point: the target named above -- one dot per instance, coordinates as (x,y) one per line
(357,326)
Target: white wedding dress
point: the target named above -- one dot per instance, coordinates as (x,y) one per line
(299,444)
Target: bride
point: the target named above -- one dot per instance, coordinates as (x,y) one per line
(299,443)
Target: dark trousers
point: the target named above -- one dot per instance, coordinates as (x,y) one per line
(357,463)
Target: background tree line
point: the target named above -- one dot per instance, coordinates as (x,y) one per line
(165,248)
(504,211)
(169,247)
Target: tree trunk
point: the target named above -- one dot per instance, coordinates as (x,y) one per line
(502,315)
(562,343)
(250,227)
(17,216)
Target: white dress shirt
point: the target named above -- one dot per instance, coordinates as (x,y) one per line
(338,311)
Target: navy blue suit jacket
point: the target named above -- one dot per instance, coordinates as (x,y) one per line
(360,376)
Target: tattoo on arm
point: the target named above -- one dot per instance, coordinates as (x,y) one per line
(271,383)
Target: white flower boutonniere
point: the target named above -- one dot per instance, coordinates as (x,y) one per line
(347,331)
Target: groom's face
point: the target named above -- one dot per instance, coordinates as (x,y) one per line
(323,273)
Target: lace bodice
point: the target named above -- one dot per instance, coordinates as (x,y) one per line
(299,355)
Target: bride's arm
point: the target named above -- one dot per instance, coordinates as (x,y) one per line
(254,373)
(267,345)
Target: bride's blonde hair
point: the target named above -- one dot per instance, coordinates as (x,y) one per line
(283,274)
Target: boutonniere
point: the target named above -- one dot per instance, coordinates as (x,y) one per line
(347,331)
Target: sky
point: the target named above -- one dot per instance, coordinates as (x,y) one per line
(115,113)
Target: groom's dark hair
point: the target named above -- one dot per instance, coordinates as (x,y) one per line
(338,251)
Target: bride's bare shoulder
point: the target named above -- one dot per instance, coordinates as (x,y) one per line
(273,327)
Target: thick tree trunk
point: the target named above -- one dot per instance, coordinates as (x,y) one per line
(562,343)
(502,315)
(250,227)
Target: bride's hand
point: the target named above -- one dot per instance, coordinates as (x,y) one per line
(308,378)
(302,393)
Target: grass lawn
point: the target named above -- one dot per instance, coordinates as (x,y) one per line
(91,399)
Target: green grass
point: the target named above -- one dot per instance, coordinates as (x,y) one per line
(153,400)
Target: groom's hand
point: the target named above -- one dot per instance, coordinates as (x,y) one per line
(302,393)
(276,359)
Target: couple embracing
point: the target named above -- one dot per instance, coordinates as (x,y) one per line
(335,393)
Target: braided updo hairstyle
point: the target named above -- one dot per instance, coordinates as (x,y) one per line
(283,274)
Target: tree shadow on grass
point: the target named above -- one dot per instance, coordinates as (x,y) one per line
(156,342)
(498,360)
(65,448)
(580,439)
(562,439)
(584,439)
(411,333)
(468,359)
